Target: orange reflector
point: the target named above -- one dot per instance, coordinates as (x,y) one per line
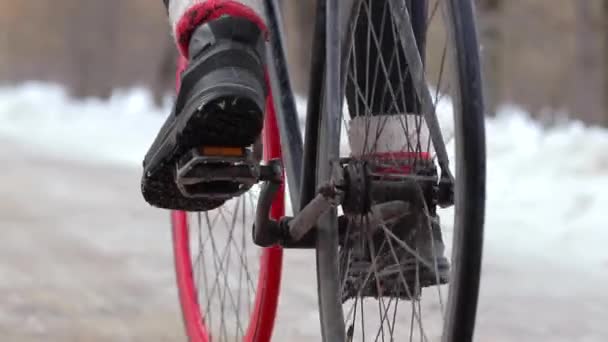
(222,151)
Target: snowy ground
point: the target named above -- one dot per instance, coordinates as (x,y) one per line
(83,258)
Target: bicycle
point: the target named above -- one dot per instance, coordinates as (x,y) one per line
(341,207)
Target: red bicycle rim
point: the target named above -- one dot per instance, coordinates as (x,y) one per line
(262,318)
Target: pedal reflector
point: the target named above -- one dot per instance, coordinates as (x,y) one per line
(219,151)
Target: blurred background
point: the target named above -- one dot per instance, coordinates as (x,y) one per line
(85,84)
(547,56)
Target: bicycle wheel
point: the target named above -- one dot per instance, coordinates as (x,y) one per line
(228,287)
(411,97)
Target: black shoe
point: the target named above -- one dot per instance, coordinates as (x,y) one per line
(421,261)
(402,240)
(220,103)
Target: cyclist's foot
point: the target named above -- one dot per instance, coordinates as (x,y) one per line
(419,260)
(421,228)
(220,104)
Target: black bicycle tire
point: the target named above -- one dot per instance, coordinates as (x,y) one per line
(330,310)
(464,286)
(332,325)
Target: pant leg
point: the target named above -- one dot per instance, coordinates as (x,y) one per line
(177,8)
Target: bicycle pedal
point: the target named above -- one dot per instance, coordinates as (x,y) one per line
(217,173)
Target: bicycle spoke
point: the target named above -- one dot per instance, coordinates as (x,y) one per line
(381,85)
(221,262)
(407,39)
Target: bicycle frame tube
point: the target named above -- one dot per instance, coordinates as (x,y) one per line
(284,104)
(332,317)
(313,115)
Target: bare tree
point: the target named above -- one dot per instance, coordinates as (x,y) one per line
(299,21)
(165,73)
(492,42)
(92,37)
(587,92)
(605,60)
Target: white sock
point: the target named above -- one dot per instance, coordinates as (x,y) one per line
(390,132)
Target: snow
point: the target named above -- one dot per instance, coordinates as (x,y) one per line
(545,230)
(117,131)
(547,187)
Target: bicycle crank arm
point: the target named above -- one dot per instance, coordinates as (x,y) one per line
(327,197)
(360,193)
(289,230)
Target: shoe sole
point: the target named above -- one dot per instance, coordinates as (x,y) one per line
(202,124)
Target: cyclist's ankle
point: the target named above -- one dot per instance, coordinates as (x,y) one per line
(383,138)
(188,15)
(227,33)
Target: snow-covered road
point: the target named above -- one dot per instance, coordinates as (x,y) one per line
(82,258)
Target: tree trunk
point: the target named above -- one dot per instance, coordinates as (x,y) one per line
(299,21)
(492,42)
(604,60)
(586,79)
(165,73)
